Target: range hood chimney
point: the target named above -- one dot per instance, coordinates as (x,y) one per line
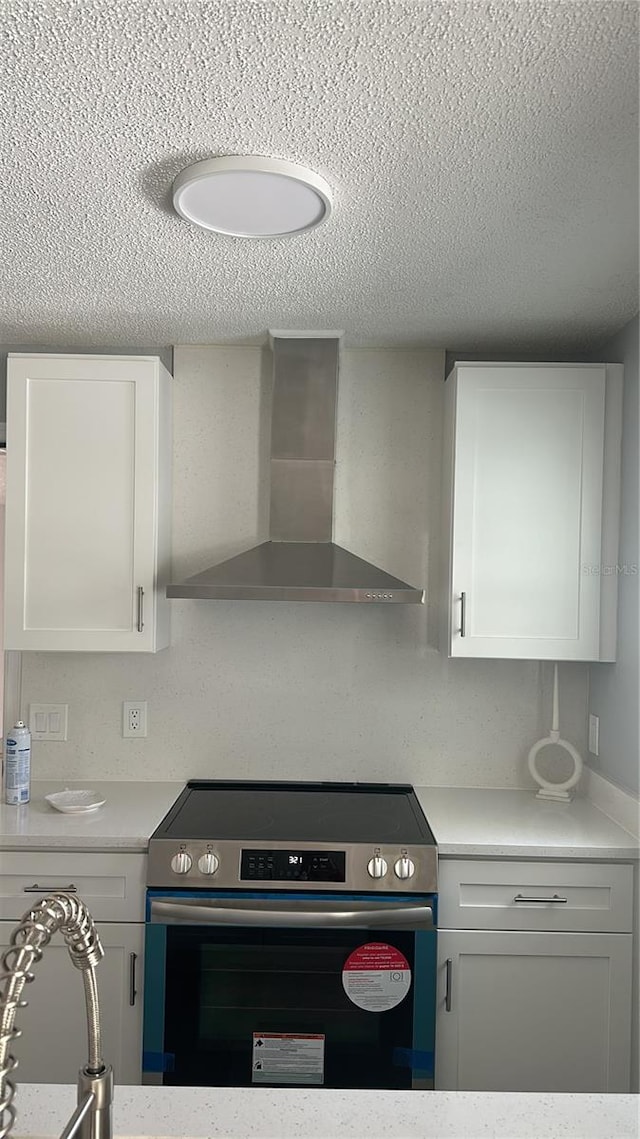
(300,562)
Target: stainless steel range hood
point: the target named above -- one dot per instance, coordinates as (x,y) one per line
(300,562)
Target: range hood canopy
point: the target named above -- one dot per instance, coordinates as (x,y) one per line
(300,562)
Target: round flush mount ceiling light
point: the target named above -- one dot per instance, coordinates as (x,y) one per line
(252,196)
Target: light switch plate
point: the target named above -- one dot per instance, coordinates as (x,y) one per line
(48,721)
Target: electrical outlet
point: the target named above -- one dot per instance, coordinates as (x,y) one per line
(134,718)
(594,734)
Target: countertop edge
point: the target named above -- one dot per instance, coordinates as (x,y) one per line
(559,853)
(239,1113)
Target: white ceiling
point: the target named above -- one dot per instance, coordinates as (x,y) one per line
(484,160)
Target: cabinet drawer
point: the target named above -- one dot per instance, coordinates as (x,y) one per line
(578,897)
(111,885)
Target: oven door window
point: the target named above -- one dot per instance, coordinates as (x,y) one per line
(224,985)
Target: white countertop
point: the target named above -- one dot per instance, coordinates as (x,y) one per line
(471,823)
(205,1113)
(465,822)
(129,817)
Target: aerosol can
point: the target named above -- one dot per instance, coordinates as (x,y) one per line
(17,765)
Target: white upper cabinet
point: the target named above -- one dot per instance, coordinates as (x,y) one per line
(87,536)
(531,510)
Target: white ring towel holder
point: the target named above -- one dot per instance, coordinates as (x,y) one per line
(557,791)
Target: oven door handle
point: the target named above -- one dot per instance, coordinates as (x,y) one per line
(262,913)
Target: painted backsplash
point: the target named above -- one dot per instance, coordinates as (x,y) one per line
(282,690)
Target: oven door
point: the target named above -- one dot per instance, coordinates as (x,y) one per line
(245,990)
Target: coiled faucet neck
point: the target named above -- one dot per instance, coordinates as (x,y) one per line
(69,915)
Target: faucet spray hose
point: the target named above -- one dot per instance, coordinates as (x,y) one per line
(54,912)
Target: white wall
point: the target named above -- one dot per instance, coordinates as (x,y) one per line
(255,689)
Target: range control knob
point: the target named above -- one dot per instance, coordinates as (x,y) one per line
(208,863)
(404,867)
(377,867)
(181,862)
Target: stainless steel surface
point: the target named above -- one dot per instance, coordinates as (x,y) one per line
(463,614)
(98,1123)
(303,429)
(140,608)
(357,878)
(64,912)
(300,562)
(311,915)
(133,992)
(555,900)
(449,977)
(296,571)
(73,1126)
(36,889)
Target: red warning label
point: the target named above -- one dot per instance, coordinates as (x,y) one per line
(376,976)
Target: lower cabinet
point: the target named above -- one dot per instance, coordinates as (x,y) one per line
(53,1044)
(527,1012)
(534,977)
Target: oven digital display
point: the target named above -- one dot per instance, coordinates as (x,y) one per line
(293,866)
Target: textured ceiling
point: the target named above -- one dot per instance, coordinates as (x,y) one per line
(484,159)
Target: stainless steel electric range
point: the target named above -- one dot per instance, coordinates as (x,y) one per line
(291,937)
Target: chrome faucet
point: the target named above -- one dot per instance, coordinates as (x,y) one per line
(58,911)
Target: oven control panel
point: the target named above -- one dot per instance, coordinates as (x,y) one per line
(228,865)
(293,865)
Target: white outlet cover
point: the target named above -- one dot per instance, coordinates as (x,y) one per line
(129,707)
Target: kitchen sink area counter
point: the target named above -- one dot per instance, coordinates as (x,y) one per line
(239,1113)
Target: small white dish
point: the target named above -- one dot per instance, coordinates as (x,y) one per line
(75,802)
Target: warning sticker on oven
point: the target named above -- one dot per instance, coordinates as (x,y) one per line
(288,1058)
(376,977)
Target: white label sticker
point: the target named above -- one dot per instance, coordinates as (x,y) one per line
(376,977)
(288,1058)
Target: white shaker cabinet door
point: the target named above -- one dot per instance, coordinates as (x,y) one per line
(87,514)
(531,510)
(533,1012)
(53,1044)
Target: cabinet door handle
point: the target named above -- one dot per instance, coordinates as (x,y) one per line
(133,957)
(140,608)
(449,976)
(463,614)
(556,900)
(36,889)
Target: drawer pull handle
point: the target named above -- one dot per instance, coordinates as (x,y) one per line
(133,957)
(463,614)
(449,973)
(36,889)
(556,900)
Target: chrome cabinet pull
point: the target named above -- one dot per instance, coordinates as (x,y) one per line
(555,900)
(449,975)
(140,608)
(463,614)
(133,957)
(36,889)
